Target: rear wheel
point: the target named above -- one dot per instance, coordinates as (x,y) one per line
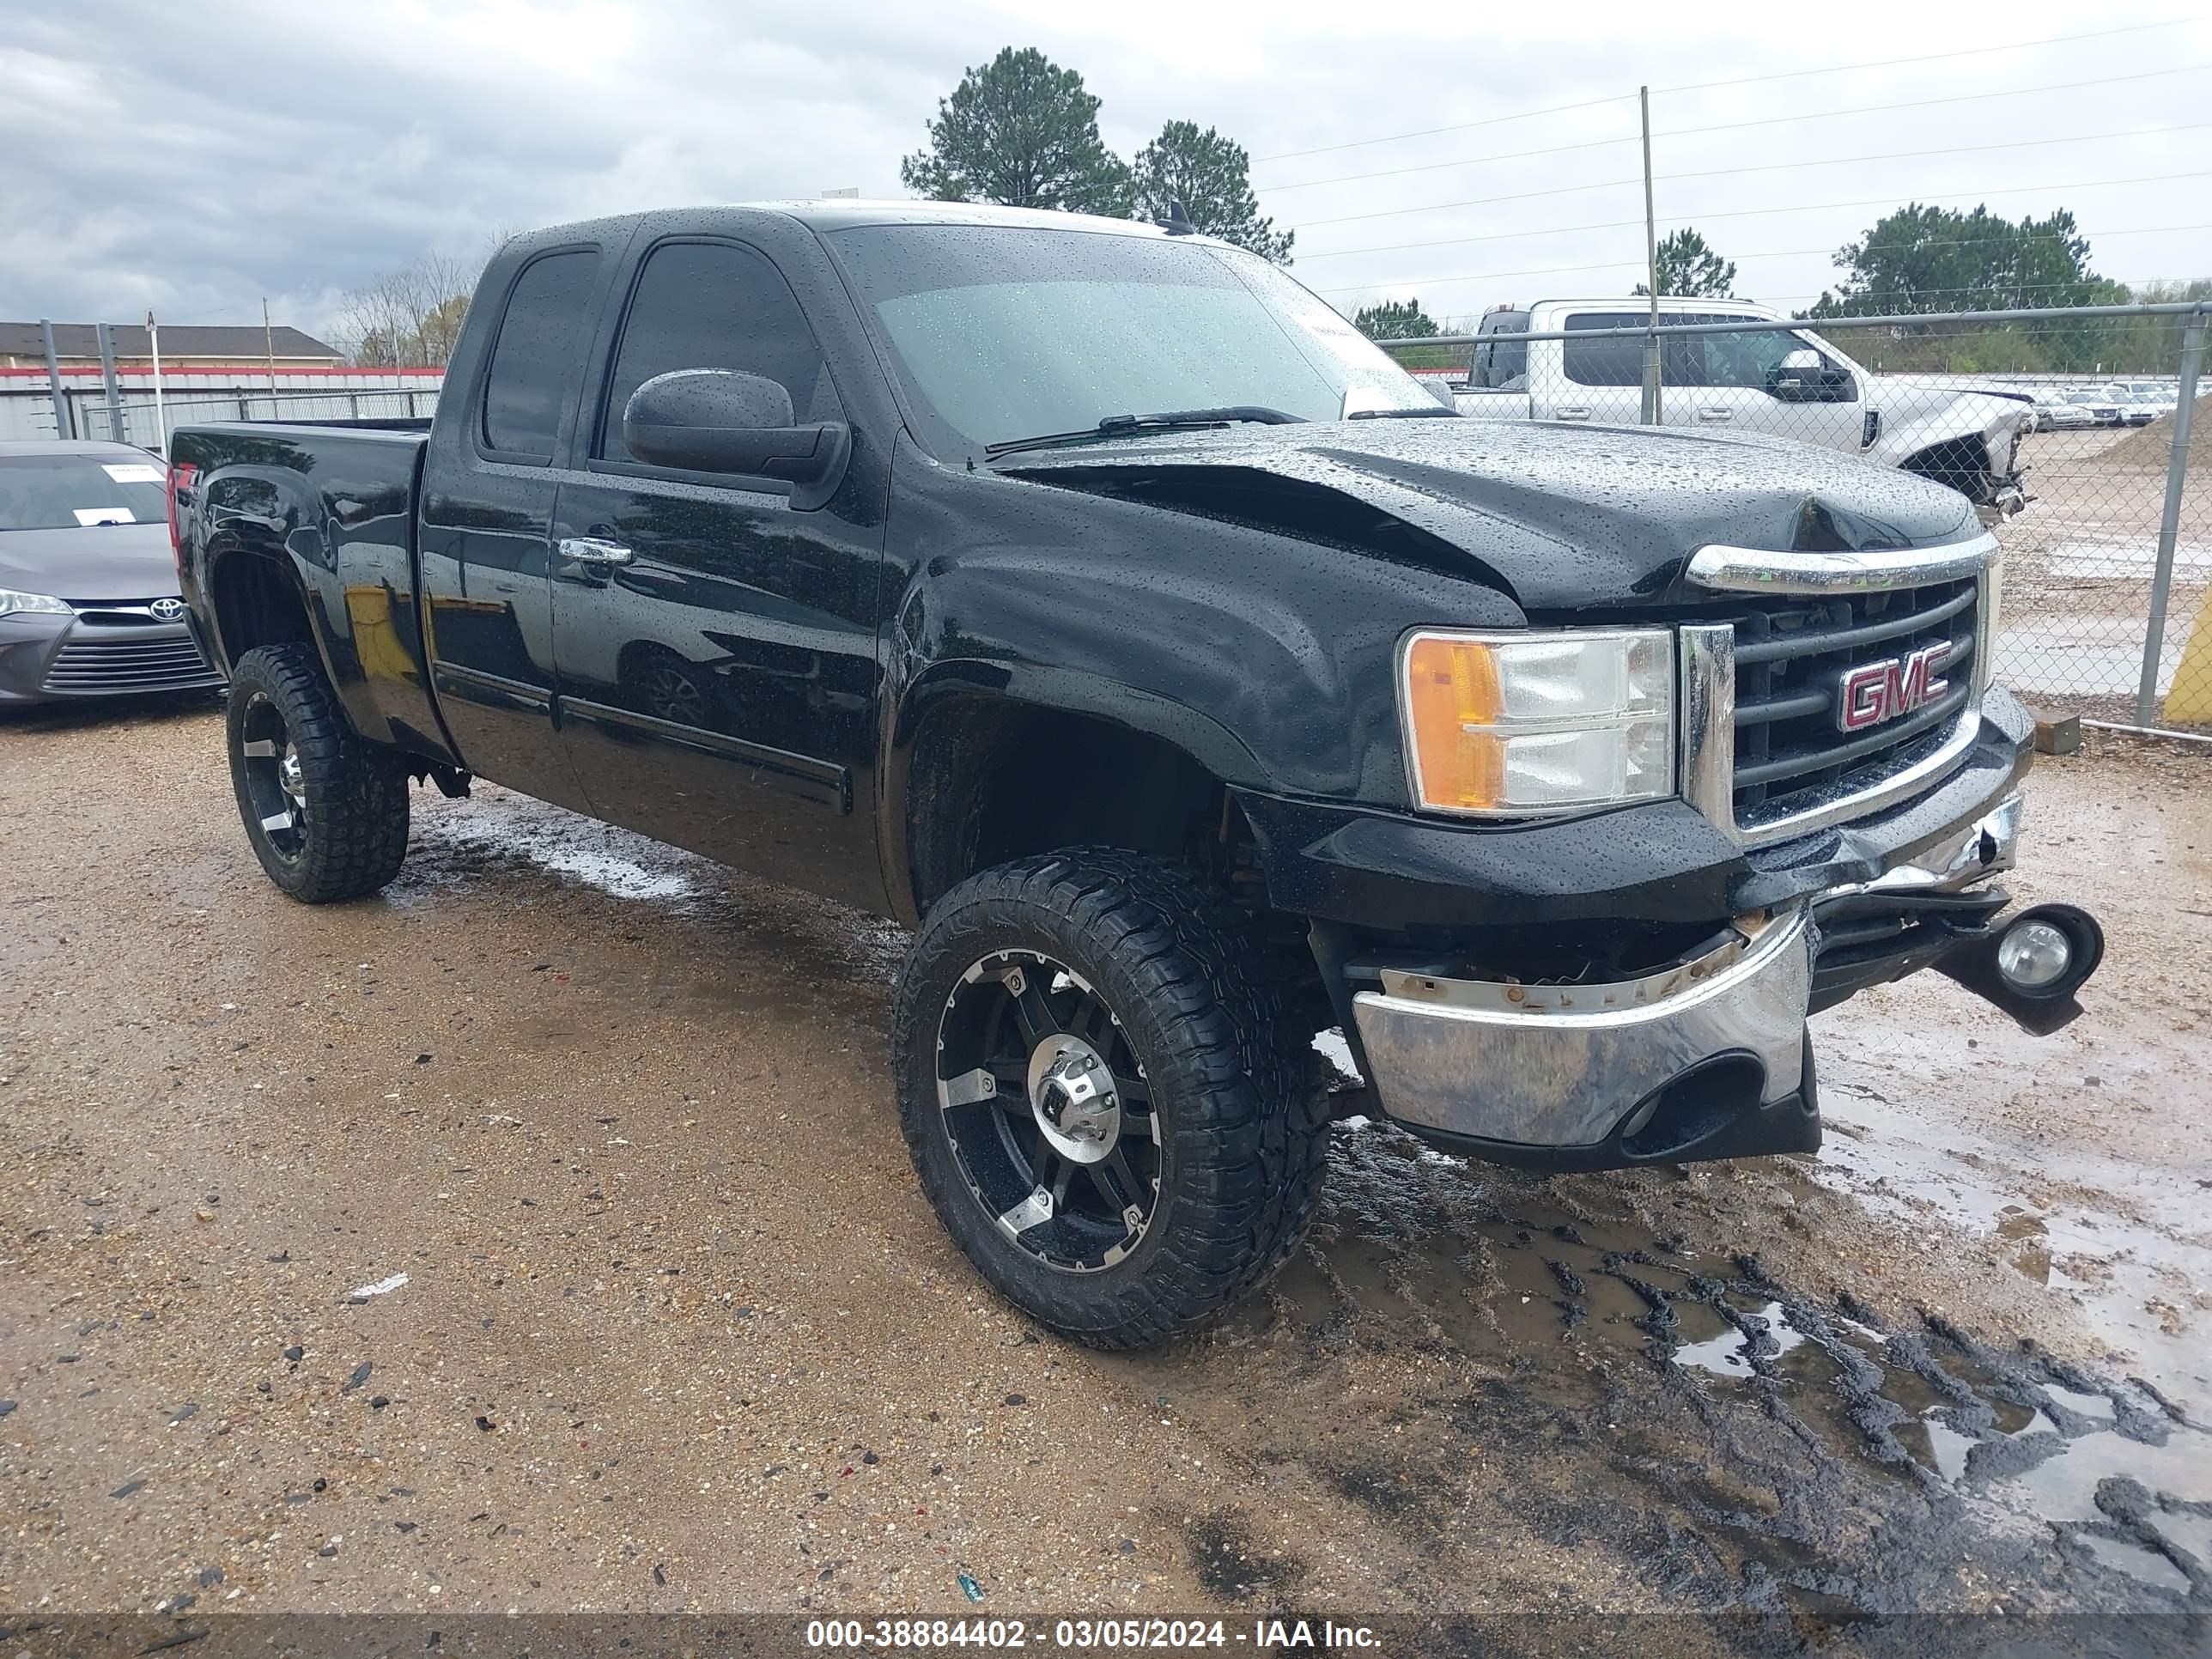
(325,813)
(1094,1088)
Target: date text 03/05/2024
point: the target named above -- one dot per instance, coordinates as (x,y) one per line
(899,1635)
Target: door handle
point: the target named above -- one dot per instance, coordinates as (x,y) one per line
(1572,412)
(588,549)
(1716,417)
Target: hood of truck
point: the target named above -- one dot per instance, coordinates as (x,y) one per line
(1563,517)
(97,561)
(1886,387)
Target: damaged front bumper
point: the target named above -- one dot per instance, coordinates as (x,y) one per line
(1591,1075)
(1707,1057)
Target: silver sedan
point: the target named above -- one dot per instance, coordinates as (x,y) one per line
(88,602)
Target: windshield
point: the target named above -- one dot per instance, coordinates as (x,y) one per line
(62,492)
(1001,333)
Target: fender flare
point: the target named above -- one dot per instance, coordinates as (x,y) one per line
(270,518)
(1209,746)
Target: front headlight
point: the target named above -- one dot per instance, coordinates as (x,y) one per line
(1523,725)
(36,604)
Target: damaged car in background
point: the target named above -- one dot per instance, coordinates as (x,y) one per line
(1095,600)
(1583,361)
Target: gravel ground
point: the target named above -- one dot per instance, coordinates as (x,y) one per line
(539,1236)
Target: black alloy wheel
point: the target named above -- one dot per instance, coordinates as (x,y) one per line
(325,813)
(269,777)
(1048,1111)
(1104,1106)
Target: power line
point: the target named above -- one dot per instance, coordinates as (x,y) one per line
(1776,167)
(1737,126)
(1431,132)
(2123,281)
(1466,162)
(1636,267)
(1741,80)
(1679,221)
(1766,253)
(1927,57)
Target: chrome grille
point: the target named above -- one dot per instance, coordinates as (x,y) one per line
(1791,658)
(92,667)
(1765,755)
(118,613)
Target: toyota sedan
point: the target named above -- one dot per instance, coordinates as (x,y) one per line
(88,603)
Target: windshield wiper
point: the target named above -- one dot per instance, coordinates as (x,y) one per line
(1433,412)
(1115,426)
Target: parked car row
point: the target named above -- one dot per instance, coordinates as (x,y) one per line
(2123,402)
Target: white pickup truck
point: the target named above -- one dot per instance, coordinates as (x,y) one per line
(1784,379)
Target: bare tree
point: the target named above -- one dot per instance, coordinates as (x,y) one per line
(412,317)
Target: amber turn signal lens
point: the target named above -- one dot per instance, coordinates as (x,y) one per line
(1528,723)
(1452,684)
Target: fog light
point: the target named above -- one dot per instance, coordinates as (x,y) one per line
(2032,954)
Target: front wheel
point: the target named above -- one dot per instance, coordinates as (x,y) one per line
(325,813)
(1099,1101)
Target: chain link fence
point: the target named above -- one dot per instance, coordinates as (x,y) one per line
(2082,435)
(2078,434)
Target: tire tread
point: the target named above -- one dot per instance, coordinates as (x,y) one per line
(1249,1148)
(357,804)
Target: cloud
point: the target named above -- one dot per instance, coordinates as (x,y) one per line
(298,151)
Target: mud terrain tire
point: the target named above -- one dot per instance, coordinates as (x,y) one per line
(1232,1141)
(326,813)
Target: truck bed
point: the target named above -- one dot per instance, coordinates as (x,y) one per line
(335,501)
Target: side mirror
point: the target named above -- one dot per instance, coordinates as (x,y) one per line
(1803,377)
(722,420)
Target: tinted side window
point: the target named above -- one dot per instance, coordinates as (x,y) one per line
(540,353)
(708,305)
(1616,361)
(1620,360)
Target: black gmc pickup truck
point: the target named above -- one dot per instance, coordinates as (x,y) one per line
(1091,598)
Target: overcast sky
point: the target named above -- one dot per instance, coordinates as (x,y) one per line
(193,159)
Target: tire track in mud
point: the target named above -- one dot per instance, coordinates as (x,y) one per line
(1555,1404)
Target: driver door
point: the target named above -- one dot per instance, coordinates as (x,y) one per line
(717,646)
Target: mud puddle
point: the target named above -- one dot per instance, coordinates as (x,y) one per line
(1742,1440)
(2126,1242)
(496,841)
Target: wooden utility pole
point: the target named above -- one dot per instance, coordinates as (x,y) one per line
(269,338)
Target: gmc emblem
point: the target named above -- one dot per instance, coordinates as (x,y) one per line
(1879,691)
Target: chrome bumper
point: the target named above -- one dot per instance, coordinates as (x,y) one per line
(1983,847)
(1561,1065)
(1567,1067)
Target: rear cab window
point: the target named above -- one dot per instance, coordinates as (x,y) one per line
(1501,363)
(544,337)
(1609,361)
(1617,360)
